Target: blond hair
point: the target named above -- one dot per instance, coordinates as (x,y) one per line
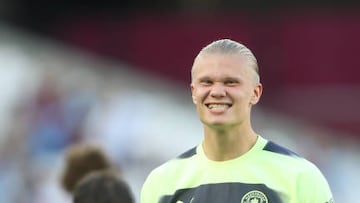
(228,46)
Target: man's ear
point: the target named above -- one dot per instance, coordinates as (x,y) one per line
(192,93)
(257,92)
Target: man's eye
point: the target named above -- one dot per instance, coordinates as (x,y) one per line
(206,82)
(231,82)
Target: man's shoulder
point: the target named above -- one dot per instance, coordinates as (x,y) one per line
(282,156)
(175,163)
(189,153)
(273,147)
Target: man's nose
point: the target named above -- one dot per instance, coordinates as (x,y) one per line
(218,90)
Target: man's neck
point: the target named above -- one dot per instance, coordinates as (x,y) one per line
(222,145)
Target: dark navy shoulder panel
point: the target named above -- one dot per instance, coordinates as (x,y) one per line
(188,153)
(273,147)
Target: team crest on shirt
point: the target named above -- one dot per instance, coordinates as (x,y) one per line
(254,196)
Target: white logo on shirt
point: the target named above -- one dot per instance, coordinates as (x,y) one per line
(254,196)
(183,202)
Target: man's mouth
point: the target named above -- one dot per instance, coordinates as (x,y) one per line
(218,106)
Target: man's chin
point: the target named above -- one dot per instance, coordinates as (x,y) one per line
(217,125)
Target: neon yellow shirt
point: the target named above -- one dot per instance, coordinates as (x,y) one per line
(267,173)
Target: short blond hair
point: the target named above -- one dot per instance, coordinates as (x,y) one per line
(228,46)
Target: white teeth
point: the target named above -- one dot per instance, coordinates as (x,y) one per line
(217,106)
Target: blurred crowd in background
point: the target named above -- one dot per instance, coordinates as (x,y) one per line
(119,79)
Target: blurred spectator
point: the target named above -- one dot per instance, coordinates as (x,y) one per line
(52,118)
(80,160)
(102,187)
(57,115)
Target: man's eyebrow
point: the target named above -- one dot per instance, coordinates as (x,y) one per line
(232,78)
(224,79)
(204,78)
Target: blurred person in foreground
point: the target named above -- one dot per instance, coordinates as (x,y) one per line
(233,164)
(102,187)
(80,160)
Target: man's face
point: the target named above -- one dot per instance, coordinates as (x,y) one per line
(223,89)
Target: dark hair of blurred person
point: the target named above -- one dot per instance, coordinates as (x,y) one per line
(80,160)
(102,187)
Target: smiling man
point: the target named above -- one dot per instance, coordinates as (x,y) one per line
(233,164)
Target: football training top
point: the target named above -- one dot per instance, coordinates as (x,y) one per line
(267,173)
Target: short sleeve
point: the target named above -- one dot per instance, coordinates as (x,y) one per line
(312,187)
